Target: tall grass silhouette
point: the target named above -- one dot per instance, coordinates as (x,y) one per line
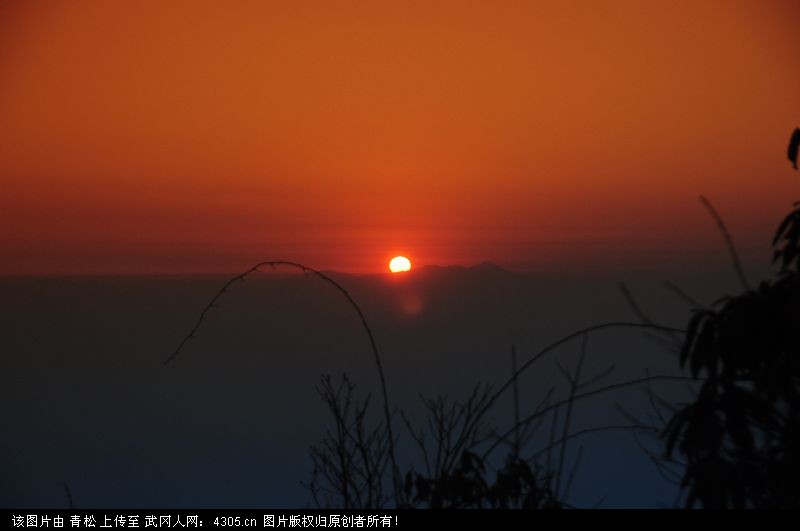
(739,436)
(352,460)
(367,330)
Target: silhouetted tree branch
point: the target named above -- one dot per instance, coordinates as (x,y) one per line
(379,365)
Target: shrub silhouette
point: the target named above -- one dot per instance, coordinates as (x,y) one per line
(787,241)
(456,475)
(741,435)
(349,465)
(517,486)
(459,449)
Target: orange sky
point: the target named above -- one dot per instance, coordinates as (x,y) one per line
(150,137)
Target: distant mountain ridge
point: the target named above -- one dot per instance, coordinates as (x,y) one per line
(485,267)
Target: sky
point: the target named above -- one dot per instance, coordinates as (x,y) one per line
(193,137)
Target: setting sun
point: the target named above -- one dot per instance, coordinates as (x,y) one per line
(399,264)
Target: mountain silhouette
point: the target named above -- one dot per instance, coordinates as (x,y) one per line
(488,266)
(485,267)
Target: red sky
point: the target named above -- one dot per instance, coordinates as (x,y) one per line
(169,137)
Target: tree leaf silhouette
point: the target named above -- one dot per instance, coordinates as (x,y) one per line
(794,144)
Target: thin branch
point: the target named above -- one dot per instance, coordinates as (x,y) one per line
(69,496)
(308,270)
(579,396)
(666,473)
(682,294)
(572,473)
(587,431)
(551,441)
(599,502)
(639,312)
(419,439)
(737,265)
(528,430)
(516,398)
(574,382)
(598,377)
(552,346)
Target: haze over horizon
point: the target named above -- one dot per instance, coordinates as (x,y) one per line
(229,422)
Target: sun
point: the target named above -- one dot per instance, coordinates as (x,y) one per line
(399,264)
